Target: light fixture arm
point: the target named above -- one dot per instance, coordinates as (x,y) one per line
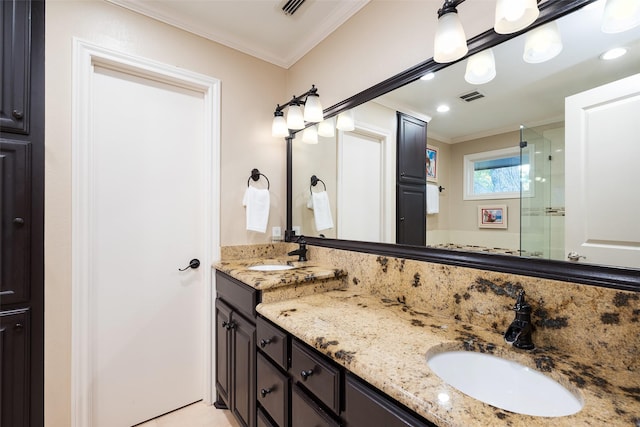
(299,100)
(448,7)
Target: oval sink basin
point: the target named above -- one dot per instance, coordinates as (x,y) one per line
(270,267)
(504,384)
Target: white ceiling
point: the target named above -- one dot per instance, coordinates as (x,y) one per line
(256,27)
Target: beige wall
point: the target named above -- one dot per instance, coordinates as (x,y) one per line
(250,88)
(384,38)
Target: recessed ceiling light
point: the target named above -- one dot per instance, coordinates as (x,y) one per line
(428,76)
(613,53)
(443,108)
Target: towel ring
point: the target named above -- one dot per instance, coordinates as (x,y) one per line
(314,182)
(255,175)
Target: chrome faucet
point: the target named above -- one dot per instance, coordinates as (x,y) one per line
(519,332)
(301,251)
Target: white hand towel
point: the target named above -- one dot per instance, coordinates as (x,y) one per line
(257,202)
(433,199)
(322,210)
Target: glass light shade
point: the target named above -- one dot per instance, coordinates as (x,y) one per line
(620,15)
(481,68)
(345,121)
(294,117)
(515,15)
(542,43)
(279,127)
(450,40)
(326,128)
(310,135)
(313,109)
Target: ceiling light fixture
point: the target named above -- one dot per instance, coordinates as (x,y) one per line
(296,118)
(614,53)
(450,40)
(620,15)
(442,108)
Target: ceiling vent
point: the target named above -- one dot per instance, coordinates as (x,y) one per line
(291,6)
(471,96)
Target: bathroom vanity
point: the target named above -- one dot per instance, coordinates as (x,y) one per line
(346,350)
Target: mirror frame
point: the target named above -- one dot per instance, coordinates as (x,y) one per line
(589,274)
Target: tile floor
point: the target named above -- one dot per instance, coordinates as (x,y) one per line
(195,415)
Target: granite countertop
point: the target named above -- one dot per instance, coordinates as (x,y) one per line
(303,272)
(386,343)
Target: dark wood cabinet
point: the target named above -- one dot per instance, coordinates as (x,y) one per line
(365,407)
(14,367)
(22,212)
(15,226)
(411,196)
(235,343)
(411,219)
(411,150)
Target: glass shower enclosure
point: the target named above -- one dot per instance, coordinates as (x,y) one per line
(542,191)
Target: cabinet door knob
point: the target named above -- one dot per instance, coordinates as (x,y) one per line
(228,325)
(306,374)
(264,392)
(18,326)
(264,342)
(18,115)
(18,221)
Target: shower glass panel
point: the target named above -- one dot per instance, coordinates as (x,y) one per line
(542,192)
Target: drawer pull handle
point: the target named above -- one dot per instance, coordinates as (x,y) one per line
(306,374)
(263,342)
(264,392)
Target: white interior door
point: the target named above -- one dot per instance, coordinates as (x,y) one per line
(145,184)
(361,188)
(602,208)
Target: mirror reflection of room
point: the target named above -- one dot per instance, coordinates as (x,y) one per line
(492,145)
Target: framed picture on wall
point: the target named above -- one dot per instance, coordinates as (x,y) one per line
(492,216)
(432,164)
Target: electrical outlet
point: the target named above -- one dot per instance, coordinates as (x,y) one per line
(296,229)
(276,234)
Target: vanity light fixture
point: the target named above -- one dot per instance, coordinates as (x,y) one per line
(481,68)
(450,40)
(346,121)
(310,135)
(326,128)
(542,43)
(620,15)
(296,118)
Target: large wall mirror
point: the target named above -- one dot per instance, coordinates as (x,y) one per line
(515,128)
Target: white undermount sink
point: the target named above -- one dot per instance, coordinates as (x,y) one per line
(504,384)
(270,267)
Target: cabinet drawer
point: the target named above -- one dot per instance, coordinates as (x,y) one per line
(241,297)
(306,413)
(319,376)
(273,342)
(263,419)
(273,391)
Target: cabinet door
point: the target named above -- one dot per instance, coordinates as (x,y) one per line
(365,407)
(14,372)
(16,64)
(15,225)
(412,150)
(411,224)
(223,349)
(243,370)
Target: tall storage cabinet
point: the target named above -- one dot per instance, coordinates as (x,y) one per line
(22,213)
(411,189)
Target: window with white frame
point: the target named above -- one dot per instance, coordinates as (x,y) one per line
(497,174)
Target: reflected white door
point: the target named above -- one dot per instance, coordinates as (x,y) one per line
(602,134)
(146,318)
(361,191)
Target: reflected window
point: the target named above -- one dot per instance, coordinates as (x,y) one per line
(497,174)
